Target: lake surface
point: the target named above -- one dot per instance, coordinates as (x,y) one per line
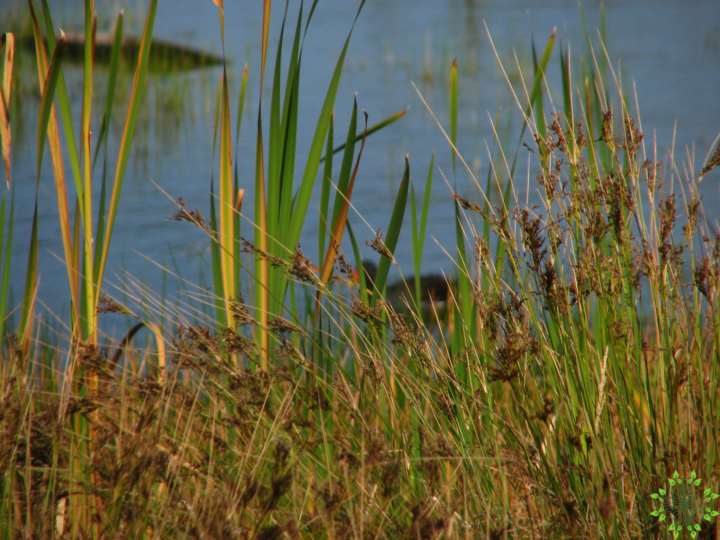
(669,50)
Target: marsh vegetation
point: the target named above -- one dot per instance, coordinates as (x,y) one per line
(572,369)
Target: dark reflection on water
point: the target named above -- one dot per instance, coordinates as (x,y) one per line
(668,50)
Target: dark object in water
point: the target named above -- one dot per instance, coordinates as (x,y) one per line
(164,55)
(434,290)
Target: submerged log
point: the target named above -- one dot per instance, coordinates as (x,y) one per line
(164,55)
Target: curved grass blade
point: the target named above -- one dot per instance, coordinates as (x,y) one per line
(377,127)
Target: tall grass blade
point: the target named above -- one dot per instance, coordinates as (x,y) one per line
(241,109)
(567,86)
(289,122)
(275,150)
(7,45)
(326,183)
(304,193)
(89,282)
(262,283)
(265,34)
(126,141)
(239,197)
(453,109)
(358,264)
(261,265)
(27,314)
(396,221)
(7,258)
(46,104)
(342,206)
(218,281)
(110,93)
(418,232)
(340,222)
(227,203)
(535,92)
(345,169)
(465,307)
(49,77)
(539,105)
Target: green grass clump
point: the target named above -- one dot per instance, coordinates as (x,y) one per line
(574,370)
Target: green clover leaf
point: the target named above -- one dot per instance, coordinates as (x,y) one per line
(676,475)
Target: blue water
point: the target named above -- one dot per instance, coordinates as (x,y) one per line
(668,50)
